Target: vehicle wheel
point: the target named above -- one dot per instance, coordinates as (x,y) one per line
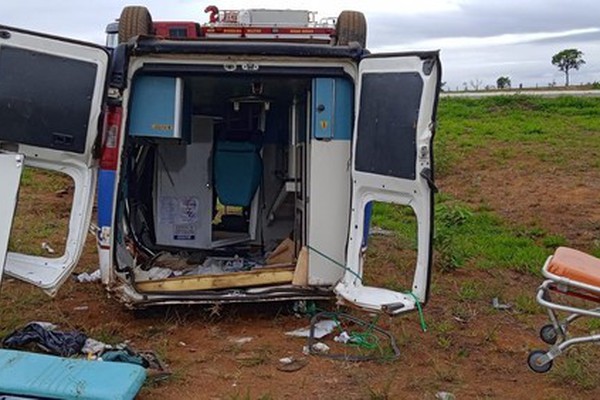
(548,334)
(534,359)
(134,21)
(351,27)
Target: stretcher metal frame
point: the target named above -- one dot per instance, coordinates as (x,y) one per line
(556,333)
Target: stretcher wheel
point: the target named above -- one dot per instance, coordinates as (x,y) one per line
(134,21)
(534,359)
(548,334)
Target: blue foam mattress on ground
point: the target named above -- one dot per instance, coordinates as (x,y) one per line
(51,377)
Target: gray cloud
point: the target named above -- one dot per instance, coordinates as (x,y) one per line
(398,27)
(485,18)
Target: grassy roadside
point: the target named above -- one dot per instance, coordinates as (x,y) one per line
(472,237)
(559,132)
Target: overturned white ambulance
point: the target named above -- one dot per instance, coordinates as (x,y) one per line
(235,161)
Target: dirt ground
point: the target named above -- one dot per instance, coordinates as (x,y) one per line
(470,349)
(529,192)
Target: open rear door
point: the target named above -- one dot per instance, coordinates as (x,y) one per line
(392,162)
(11,166)
(51,96)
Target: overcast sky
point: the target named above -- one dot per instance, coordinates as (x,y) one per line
(480,40)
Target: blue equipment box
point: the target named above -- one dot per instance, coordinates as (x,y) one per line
(158,108)
(332,109)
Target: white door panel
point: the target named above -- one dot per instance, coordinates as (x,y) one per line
(50,273)
(51,98)
(392,163)
(11,166)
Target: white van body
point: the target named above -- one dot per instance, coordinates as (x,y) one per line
(215,153)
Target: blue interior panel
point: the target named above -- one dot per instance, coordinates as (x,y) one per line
(332,108)
(157,103)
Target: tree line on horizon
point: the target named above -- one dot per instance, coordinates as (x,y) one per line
(565,60)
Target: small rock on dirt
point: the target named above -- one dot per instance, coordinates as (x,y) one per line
(291,364)
(241,340)
(320,348)
(445,396)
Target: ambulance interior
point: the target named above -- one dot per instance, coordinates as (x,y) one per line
(214,181)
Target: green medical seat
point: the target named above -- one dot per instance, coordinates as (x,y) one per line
(237,172)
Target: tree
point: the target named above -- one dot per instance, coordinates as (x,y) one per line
(476,84)
(567,60)
(503,82)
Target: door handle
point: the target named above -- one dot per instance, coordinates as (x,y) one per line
(427,174)
(61,139)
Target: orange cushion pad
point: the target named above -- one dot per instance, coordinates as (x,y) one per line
(575,265)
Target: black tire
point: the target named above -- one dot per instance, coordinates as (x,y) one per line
(533,362)
(548,334)
(134,21)
(351,27)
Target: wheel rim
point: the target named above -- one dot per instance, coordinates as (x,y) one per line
(534,362)
(548,334)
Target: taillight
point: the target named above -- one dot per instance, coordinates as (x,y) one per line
(111,137)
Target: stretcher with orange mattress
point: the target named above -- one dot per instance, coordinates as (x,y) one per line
(575,274)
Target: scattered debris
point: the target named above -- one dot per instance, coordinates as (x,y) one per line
(291,364)
(445,396)
(365,336)
(81,308)
(93,348)
(499,306)
(65,344)
(322,329)
(318,348)
(377,231)
(153,274)
(170,261)
(45,336)
(124,355)
(283,254)
(157,370)
(89,278)
(93,229)
(221,265)
(342,338)
(46,246)
(241,340)
(301,271)
(46,325)
(65,191)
